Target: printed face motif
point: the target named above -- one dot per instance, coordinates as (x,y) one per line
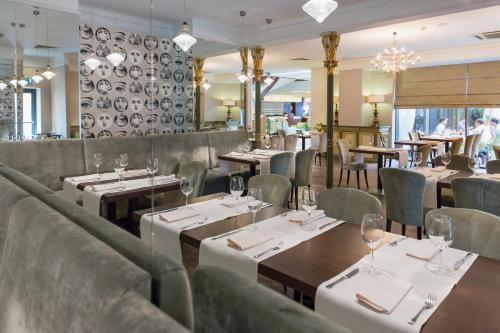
(179,119)
(121,104)
(102,51)
(151,58)
(189,104)
(166,89)
(135,72)
(119,38)
(135,56)
(102,35)
(166,74)
(85,70)
(104,70)
(86,50)
(103,87)
(166,104)
(165,45)
(136,132)
(178,76)
(120,87)
(86,103)
(86,32)
(189,91)
(104,134)
(136,104)
(104,121)
(135,88)
(152,105)
(151,89)
(136,120)
(121,120)
(120,71)
(166,118)
(150,43)
(87,121)
(86,85)
(135,39)
(104,103)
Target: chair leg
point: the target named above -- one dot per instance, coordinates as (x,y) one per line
(291,193)
(341,174)
(388,225)
(320,160)
(296,198)
(357,178)
(403,229)
(366,179)
(419,232)
(315,158)
(348,177)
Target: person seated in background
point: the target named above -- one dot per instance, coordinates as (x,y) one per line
(461,126)
(441,127)
(495,130)
(485,131)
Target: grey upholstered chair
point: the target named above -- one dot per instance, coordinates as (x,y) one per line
(319,141)
(281,133)
(496,149)
(281,164)
(291,142)
(277,141)
(475,144)
(197,170)
(477,193)
(493,167)
(473,230)
(168,165)
(456,146)
(276,189)
(469,141)
(348,204)
(413,136)
(226,302)
(304,161)
(458,162)
(404,196)
(426,153)
(346,163)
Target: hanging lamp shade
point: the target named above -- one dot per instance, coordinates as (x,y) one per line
(184,39)
(320,9)
(13,82)
(92,63)
(48,74)
(22,83)
(2,85)
(206,85)
(37,78)
(268,80)
(115,57)
(243,77)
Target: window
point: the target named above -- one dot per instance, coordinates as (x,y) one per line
(427,121)
(29,114)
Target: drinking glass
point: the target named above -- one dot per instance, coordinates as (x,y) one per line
(446,158)
(254,203)
(417,158)
(247,147)
(473,165)
(267,143)
(187,188)
(97,162)
(372,233)
(119,169)
(441,236)
(237,186)
(275,145)
(124,161)
(152,168)
(309,204)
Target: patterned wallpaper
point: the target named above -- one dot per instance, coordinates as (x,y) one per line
(7,112)
(122,100)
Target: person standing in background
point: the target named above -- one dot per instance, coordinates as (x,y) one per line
(441,127)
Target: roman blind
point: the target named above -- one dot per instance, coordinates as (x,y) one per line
(484,84)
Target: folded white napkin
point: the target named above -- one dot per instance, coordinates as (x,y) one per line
(439,169)
(106,187)
(422,252)
(263,152)
(233,202)
(247,239)
(87,178)
(382,293)
(236,154)
(135,173)
(178,215)
(304,218)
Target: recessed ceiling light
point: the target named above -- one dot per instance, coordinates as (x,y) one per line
(424,28)
(442,24)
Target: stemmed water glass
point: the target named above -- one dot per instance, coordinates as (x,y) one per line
(309,205)
(152,168)
(446,159)
(237,186)
(124,161)
(417,158)
(97,162)
(440,234)
(267,143)
(247,147)
(187,188)
(254,204)
(119,169)
(372,233)
(473,165)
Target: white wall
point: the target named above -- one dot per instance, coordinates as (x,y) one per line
(319,94)
(351,98)
(211,105)
(376,83)
(58,97)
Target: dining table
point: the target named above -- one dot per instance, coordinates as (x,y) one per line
(471,306)
(304,137)
(446,139)
(416,143)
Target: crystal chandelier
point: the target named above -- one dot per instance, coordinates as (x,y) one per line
(184,39)
(320,9)
(395,60)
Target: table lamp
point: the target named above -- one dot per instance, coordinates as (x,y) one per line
(229,103)
(375,99)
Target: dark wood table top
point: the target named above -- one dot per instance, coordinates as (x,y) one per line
(140,192)
(472,306)
(81,186)
(238,160)
(446,182)
(304,136)
(376,152)
(442,139)
(417,143)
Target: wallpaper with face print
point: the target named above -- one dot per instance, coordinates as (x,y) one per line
(7,112)
(123,100)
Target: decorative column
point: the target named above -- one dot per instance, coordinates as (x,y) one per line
(258,58)
(330,42)
(244,87)
(198,79)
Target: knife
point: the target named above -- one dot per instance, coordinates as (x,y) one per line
(326,225)
(227,234)
(345,277)
(462,261)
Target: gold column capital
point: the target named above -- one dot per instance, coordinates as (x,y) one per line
(258,59)
(330,42)
(244,59)
(198,64)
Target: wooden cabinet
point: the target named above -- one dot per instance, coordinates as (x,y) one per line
(362,136)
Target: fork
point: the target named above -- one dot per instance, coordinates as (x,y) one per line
(429,304)
(397,241)
(195,223)
(276,248)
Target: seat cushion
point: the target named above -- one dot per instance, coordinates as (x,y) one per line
(25,182)
(354,166)
(56,277)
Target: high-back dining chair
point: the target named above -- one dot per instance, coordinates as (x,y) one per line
(456,146)
(493,167)
(348,204)
(475,144)
(496,149)
(413,136)
(168,165)
(404,196)
(346,163)
(473,231)
(197,170)
(304,161)
(291,142)
(426,152)
(458,162)
(469,141)
(476,193)
(281,133)
(276,189)
(278,142)
(281,163)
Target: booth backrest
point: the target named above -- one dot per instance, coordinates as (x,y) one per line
(185,147)
(222,143)
(56,277)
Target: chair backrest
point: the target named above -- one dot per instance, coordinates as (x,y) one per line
(291,142)
(277,141)
(469,141)
(56,277)
(281,164)
(281,133)
(477,193)
(168,166)
(348,204)
(344,154)
(473,230)
(315,140)
(493,167)
(456,146)
(475,144)
(197,170)
(304,161)
(323,142)
(404,195)
(276,189)
(216,291)
(496,149)
(413,135)
(458,162)
(385,141)
(426,152)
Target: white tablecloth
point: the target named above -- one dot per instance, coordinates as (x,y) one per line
(432,176)
(263,156)
(340,305)
(495,177)
(164,237)
(92,199)
(403,153)
(284,234)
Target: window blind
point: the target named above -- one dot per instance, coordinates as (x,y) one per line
(483,84)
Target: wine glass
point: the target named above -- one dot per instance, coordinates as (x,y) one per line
(309,205)
(372,233)
(473,165)
(152,168)
(237,186)
(371,140)
(119,169)
(247,147)
(124,160)
(254,203)
(446,158)
(97,162)
(187,187)
(441,235)
(267,143)
(417,158)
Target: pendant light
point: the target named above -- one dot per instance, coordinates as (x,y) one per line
(22,82)
(2,85)
(37,78)
(92,62)
(185,40)
(13,81)
(48,74)
(243,75)
(268,80)
(320,9)
(115,57)
(206,85)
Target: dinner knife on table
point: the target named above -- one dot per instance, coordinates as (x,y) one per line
(462,261)
(345,277)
